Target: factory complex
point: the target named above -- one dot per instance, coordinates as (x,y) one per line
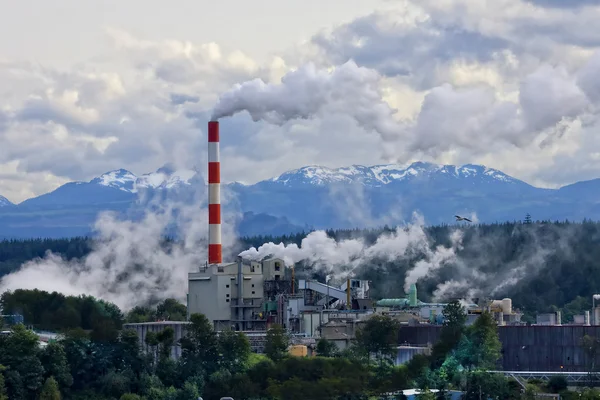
(250,296)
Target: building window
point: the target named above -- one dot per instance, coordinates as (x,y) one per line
(227,300)
(226,295)
(253,285)
(226,286)
(277,266)
(253,292)
(252,268)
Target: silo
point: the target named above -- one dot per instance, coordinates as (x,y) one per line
(507,306)
(412,295)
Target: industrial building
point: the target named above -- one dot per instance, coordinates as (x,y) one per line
(410,310)
(249,296)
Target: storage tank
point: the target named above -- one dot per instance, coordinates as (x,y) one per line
(507,306)
(412,295)
(586,316)
(495,305)
(298,350)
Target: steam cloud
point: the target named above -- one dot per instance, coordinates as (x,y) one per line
(339,258)
(129,264)
(308,92)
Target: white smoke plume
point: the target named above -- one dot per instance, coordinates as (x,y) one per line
(339,258)
(129,264)
(450,118)
(309,92)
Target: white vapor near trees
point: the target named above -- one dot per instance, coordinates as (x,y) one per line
(341,258)
(130,264)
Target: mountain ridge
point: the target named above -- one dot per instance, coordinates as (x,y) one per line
(315,196)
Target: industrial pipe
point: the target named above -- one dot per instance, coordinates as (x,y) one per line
(240,293)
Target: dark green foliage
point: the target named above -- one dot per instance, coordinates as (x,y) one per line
(167,310)
(326,348)
(234,350)
(50,390)
(379,337)
(277,343)
(482,385)
(13,253)
(80,367)
(54,361)
(557,384)
(480,346)
(455,318)
(55,311)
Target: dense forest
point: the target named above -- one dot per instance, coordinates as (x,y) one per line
(541,265)
(106,363)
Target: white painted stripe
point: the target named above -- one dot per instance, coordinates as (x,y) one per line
(214,193)
(213,152)
(214,234)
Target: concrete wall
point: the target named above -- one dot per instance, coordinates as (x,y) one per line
(406,353)
(525,348)
(143,328)
(211,296)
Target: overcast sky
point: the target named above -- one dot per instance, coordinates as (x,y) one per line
(91,86)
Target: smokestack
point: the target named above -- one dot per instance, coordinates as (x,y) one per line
(214,195)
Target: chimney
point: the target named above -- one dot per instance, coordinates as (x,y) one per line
(214,195)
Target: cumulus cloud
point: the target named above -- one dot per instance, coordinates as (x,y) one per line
(447,81)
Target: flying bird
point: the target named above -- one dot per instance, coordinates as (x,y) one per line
(459,218)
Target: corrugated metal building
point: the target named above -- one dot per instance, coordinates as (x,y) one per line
(525,348)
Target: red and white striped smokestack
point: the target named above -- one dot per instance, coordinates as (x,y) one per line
(214,195)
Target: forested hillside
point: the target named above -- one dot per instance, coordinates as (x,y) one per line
(539,265)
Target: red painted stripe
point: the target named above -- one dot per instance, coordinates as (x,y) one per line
(214,254)
(213,131)
(214,172)
(214,214)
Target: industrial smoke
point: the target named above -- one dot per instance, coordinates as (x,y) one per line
(342,258)
(309,92)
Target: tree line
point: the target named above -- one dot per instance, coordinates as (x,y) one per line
(214,365)
(559,262)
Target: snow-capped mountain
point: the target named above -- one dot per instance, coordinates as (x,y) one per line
(313,196)
(4,202)
(119,179)
(378,175)
(164,178)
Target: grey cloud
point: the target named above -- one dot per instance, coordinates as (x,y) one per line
(548,95)
(564,3)
(423,48)
(178,98)
(400,50)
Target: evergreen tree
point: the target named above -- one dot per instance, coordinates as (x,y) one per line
(50,390)
(3,391)
(378,336)
(277,342)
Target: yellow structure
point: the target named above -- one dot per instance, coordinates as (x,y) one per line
(299,350)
